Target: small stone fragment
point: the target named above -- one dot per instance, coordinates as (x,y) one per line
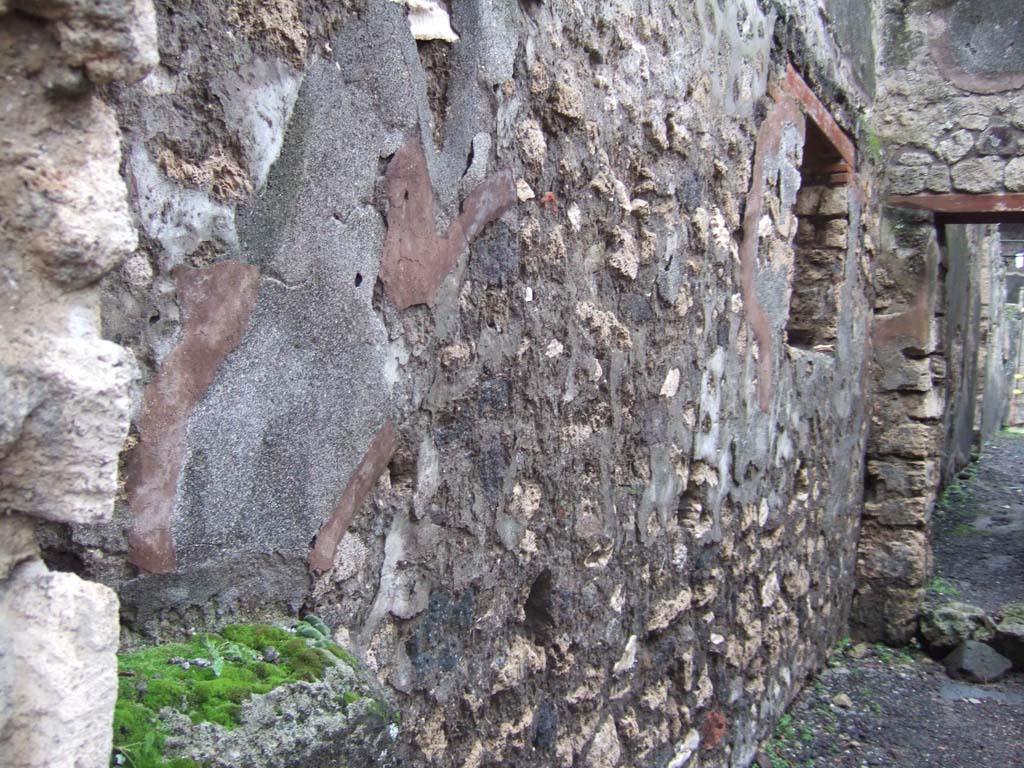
(842,700)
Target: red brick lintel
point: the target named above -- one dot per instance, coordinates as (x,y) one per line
(799,90)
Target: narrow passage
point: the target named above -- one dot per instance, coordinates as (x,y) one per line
(898,708)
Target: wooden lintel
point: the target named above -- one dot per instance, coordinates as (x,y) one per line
(799,90)
(957,204)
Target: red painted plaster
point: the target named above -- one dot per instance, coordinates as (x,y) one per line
(768,143)
(216,303)
(416,259)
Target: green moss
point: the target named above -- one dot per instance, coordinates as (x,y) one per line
(148,682)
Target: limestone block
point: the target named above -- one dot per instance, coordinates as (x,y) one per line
(834,201)
(913,439)
(885,611)
(17,542)
(897,512)
(113,40)
(983,174)
(807,200)
(897,556)
(71,405)
(944,627)
(939,179)
(58,669)
(1013,175)
(893,477)
(834,233)
(61,191)
(914,157)
(907,180)
(956,146)
(1009,639)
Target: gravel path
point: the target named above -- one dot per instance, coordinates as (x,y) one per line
(896,708)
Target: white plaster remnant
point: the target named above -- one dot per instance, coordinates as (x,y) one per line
(428,474)
(618,600)
(524,191)
(428,20)
(575,217)
(684,750)
(528,294)
(671,384)
(178,218)
(628,659)
(554,348)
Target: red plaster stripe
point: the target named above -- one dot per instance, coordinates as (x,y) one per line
(382,447)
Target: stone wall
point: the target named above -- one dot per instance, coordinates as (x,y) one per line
(472,338)
(947,119)
(65,391)
(533,345)
(950,103)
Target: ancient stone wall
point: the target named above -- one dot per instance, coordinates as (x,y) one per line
(65,391)
(947,120)
(472,336)
(950,103)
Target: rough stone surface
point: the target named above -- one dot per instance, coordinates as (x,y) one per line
(1009,635)
(65,393)
(944,627)
(58,636)
(113,40)
(17,542)
(976,662)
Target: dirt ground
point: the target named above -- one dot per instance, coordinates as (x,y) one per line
(896,708)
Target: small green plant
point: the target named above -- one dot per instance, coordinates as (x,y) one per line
(964,529)
(953,491)
(208,678)
(884,653)
(944,587)
(871,141)
(806,735)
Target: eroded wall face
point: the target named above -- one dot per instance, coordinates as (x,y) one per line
(478,349)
